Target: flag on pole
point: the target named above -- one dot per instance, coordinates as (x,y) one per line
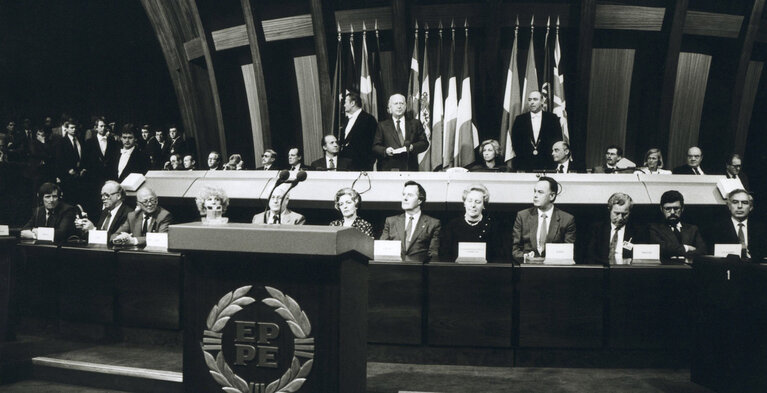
(437,114)
(351,74)
(377,80)
(367,94)
(424,159)
(451,107)
(338,91)
(512,105)
(558,88)
(466,136)
(531,76)
(548,71)
(413,83)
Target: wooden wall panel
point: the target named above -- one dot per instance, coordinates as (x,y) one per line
(712,24)
(309,102)
(691,81)
(611,71)
(286,28)
(753,75)
(231,37)
(254,110)
(629,17)
(349,19)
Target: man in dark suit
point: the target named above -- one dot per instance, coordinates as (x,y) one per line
(543,223)
(69,163)
(158,149)
(330,161)
(676,239)
(692,167)
(99,152)
(740,228)
(533,134)
(114,211)
(130,159)
(356,136)
(178,145)
(150,217)
(611,242)
(734,170)
(563,162)
(296,160)
(398,140)
(268,161)
(615,162)
(418,232)
(52,214)
(214,161)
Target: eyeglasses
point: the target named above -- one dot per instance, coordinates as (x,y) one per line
(105,195)
(672,208)
(150,201)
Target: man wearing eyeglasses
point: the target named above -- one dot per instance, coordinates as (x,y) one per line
(114,211)
(278,212)
(677,240)
(149,217)
(268,161)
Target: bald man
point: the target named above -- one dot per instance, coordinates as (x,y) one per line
(692,167)
(398,140)
(149,217)
(533,136)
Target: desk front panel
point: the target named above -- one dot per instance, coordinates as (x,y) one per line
(86,284)
(395,302)
(148,289)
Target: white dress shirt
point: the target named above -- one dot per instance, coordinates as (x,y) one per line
(745,228)
(332,159)
(619,243)
(124,157)
(350,123)
(536,120)
(565,166)
(102,144)
(112,214)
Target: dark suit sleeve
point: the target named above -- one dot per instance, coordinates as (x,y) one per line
(31,223)
(379,147)
(419,142)
(164,223)
(570,230)
(66,225)
(517,249)
(446,244)
(700,245)
(385,233)
(667,249)
(62,162)
(434,244)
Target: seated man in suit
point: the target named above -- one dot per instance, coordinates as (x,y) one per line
(189,163)
(268,160)
(357,134)
(296,160)
(177,143)
(214,161)
(114,211)
(418,232)
(563,162)
(740,228)
(149,217)
(130,159)
(278,212)
(615,162)
(692,167)
(330,161)
(52,214)
(677,240)
(734,170)
(543,223)
(611,242)
(399,140)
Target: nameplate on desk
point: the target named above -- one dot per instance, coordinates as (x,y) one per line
(559,254)
(387,250)
(646,253)
(157,240)
(4,230)
(472,252)
(45,234)
(97,237)
(723,250)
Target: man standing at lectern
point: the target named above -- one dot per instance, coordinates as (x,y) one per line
(278,212)
(418,232)
(533,136)
(398,140)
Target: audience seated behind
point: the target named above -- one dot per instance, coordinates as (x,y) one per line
(418,232)
(296,160)
(692,167)
(476,225)
(214,161)
(653,163)
(235,163)
(268,161)
(491,158)
(615,162)
(562,159)
(734,170)
(330,161)
(347,202)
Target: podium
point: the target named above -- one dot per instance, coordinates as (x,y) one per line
(270,308)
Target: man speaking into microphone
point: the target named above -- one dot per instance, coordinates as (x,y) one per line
(398,140)
(277,211)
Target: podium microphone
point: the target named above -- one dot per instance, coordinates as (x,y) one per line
(282,177)
(300,176)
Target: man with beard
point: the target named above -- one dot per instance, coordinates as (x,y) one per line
(676,239)
(612,242)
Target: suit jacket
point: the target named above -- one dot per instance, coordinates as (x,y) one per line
(599,242)
(178,146)
(135,221)
(63,220)
(342,164)
(725,233)
(624,165)
(684,170)
(357,146)
(571,168)
(66,159)
(525,232)
(387,136)
(424,244)
(99,165)
(288,217)
(157,155)
(137,163)
(301,167)
(274,167)
(662,234)
(522,136)
(120,218)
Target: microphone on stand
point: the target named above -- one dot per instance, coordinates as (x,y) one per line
(300,176)
(282,177)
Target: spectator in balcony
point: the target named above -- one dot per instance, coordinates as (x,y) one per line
(491,158)
(653,163)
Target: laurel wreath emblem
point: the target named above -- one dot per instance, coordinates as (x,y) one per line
(289,310)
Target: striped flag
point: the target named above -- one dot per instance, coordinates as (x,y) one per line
(531,76)
(377,79)
(338,91)
(350,73)
(451,109)
(512,105)
(413,83)
(437,114)
(548,72)
(424,159)
(558,88)
(367,92)
(466,137)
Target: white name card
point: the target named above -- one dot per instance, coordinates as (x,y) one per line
(45,234)
(387,250)
(722,250)
(725,186)
(97,237)
(559,254)
(157,240)
(4,230)
(646,253)
(472,252)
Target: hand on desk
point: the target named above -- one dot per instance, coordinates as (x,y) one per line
(124,238)
(29,234)
(84,224)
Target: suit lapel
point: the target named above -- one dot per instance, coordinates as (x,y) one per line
(553,226)
(533,224)
(417,229)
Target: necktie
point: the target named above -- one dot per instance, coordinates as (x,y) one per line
(543,231)
(561,169)
(48,218)
(408,231)
(331,164)
(77,153)
(105,224)
(399,131)
(742,240)
(275,219)
(613,246)
(697,172)
(678,234)
(145,227)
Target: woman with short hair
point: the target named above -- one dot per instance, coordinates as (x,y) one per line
(348,201)
(491,158)
(475,225)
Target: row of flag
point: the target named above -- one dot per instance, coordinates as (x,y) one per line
(449,124)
